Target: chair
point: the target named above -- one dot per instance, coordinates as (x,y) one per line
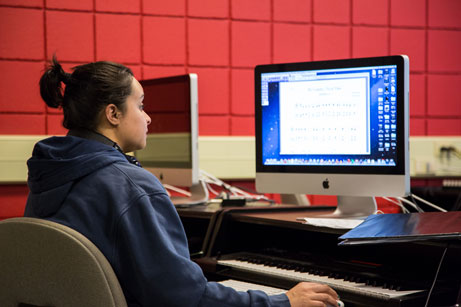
(43,263)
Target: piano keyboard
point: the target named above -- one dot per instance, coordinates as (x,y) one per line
(244,286)
(337,284)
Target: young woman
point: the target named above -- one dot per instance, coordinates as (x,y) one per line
(84,180)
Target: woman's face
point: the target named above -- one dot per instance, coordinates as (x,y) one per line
(132,131)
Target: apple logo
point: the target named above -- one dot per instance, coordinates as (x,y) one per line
(326,184)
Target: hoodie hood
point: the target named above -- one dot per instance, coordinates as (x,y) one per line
(57,163)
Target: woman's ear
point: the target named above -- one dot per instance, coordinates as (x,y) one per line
(112,114)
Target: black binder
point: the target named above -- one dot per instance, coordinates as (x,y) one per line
(389,228)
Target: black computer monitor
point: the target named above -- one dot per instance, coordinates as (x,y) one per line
(336,127)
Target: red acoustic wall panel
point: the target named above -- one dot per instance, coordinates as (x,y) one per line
(170,7)
(65,31)
(25,3)
(411,42)
(161,46)
(411,13)
(331,42)
(54,124)
(121,33)
(418,95)
(242,125)
(208,42)
(81,5)
(370,12)
(443,51)
(21,33)
(136,69)
(250,43)
(19,92)
(251,10)
(118,6)
(417,127)
(242,93)
(149,71)
(214,98)
(332,11)
(291,43)
(208,8)
(22,124)
(444,13)
(214,125)
(222,41)
(442,90)
(370,41)
(292,10)
(443,127)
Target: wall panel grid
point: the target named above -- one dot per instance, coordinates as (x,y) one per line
(222,40)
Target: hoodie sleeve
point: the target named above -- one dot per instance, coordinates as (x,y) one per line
(154,267)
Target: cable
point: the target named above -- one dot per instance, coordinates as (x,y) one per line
(208,186)
(233,191)
(436,276)
(398,203)
(207,177)
(413,200)
(428,203)
(411,204)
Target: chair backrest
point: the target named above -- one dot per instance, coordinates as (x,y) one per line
(43,263)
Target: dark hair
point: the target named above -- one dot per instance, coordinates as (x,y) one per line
(88,90)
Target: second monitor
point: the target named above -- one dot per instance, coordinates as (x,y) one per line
(171,151)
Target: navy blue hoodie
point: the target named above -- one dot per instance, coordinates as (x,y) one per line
(125,211)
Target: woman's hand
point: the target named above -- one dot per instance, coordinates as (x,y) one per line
(307,294)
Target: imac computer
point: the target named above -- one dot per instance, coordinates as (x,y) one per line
(337,127)
(171,151)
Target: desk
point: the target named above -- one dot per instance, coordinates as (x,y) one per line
(202,222)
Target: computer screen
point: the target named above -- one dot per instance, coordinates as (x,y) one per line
(171,151)
(336,127)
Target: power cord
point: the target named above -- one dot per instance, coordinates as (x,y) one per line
(229,191)
(428,203)
(413,203)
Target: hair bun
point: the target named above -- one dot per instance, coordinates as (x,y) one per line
(50,84)
(58,72)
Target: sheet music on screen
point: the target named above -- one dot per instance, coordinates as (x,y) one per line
(333,117)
